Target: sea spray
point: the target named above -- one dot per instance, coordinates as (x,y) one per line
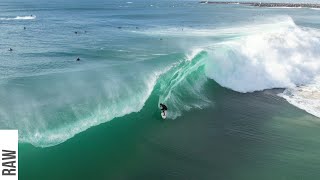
(120,100)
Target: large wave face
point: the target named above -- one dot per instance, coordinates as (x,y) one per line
(181,87)
(63,106)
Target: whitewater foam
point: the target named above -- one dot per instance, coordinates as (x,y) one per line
(285,57)
(281,58)
(19,18)
(305,97)
(25,17)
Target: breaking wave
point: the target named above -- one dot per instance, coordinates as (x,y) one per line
(178,85)
(285,57)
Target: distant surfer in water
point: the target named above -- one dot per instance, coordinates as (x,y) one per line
(10,49)
(163,108)
(78,59)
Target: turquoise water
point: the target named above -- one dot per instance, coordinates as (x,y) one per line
(241,83)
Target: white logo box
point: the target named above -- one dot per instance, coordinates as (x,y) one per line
(9,154)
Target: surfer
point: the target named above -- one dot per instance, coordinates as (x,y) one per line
(163,108)
(78,59)
(10,49)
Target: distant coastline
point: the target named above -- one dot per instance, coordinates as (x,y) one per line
(262,4)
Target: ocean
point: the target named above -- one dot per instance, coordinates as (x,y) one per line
(241,83)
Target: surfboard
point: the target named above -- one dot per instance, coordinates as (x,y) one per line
(164,115)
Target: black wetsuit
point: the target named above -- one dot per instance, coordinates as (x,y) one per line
(163,107)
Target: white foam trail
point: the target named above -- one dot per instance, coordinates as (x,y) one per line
(159,54)
(305,97)
(25,17)
(19,18)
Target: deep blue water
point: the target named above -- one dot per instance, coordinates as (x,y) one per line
(210,64)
